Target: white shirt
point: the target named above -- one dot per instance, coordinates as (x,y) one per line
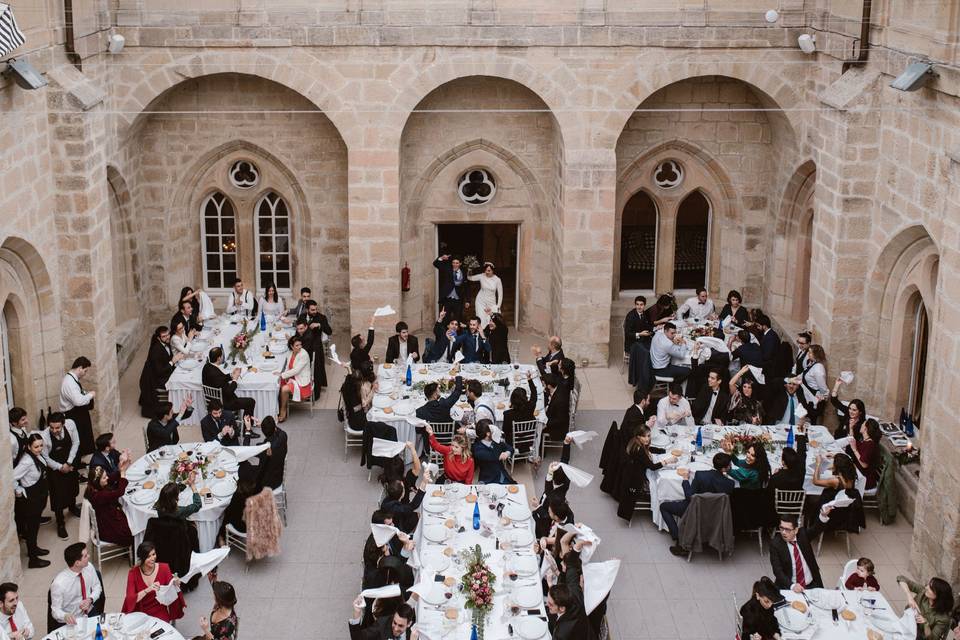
(20,618)
(793,565)
(786,412)
(668,414)
(708,416)
(26,474)
(14,445)
(662,348)
(244,306)
(181,344)
(403,349)
(65,591)
(70,394)
(70,428)
(483,409)
(697,310)
(816,379)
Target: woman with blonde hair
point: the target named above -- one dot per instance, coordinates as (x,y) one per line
(457,457)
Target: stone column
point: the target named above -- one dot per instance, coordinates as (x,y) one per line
(10,564)
(77,151)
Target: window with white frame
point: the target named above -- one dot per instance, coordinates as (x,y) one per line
(219,242)
(273,241)
(7,372)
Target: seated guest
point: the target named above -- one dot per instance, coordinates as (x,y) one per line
(274,459)
(444,338)
(931,603)
(180,338)
(106,455)
(168,502)
(399,501)
(174,538)
(213,376)
(713,481)
(850,416)
(104,496)
(156,370)
(791,558)
(75,590)
(745,406)
(61,445)
(373,553)
(187,294)
(793,467)
(673,408)
(483,406)
(14,620)
(457,457)
(143,582)
(748,352)
(360,347)
(498,336)
(296,378)
(640,412)
(666,344)
(636,325)
(223,622)
(565,603)
(558,407)
(240,301)
(219,425)
(358,390)
(698,308)
(733,311)
(783,402)
(710,405)
(271,304)
(521,408)
(555,487)
(661,312)
(844,480)
(813,383)
(386,628)
(472,344)
(865,453)
(759,623)
(751,471)
(490,456)
(863,578)
(188,317)
(246,487)
(162,430)
(552,360)
(638,460)
(701,366)
(437,409)
(401,345)
(303,302)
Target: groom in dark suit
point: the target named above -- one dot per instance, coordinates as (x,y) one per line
(452,281)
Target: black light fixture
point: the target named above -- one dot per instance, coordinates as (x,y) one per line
(914,77)
(24,74)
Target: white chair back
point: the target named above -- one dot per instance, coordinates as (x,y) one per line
(737,617)
(212,393)
(789,502)
(524,436)
(513,347)
(848,570)
(443,432)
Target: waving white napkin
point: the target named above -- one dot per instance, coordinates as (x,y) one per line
(548,569)
(757,373)
(585,534)
(206,306)
(167,594)
(577,476)
(203,563)
(846,376)
(716,344)
(457,357)
(245,453)
(410,361)
(842,500)
(496,433)
(424,586)
(580,437)
(598,579)
(333,354)
(383,533)
(389,591)
(386,448)
(384,311)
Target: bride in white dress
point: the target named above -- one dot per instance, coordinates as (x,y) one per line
(490,296)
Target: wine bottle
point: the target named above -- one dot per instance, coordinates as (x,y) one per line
(409,378)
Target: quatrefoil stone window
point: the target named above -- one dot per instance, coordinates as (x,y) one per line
(668,174)
(476,186)
(244,174)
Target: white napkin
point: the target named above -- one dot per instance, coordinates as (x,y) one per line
(384,311)
(549,569)
(757,373)
(585,534)
(799,411)
(716,344)
(496,433)
(842,500)
(333,354)
(386,448)
(577,476)
(908,622)
(425,585)
(598,579)
(457,357)
(167,594)
(410,361)
(206,306)
(389,591)
(203,563)
(580,437)
(245,453)
(383,533)
(846,376)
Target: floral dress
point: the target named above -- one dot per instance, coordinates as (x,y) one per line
(227,628)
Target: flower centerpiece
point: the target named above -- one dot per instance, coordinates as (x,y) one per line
(738,441)
(477,583)
(242,341)
(703,331)
(185,464)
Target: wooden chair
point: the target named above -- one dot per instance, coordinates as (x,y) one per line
(105,550)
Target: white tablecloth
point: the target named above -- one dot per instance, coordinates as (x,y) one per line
(823,627)
(149,626)
(254,383)
(210,516)
(500,561)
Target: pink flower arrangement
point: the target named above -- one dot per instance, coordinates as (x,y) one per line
(477,581)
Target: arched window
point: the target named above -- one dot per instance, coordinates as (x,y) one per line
(219,242)
(691,249)
(7,369)
(273,241)
(918,359)
(638,243)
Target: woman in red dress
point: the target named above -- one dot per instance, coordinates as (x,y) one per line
(143,582)
(104,492)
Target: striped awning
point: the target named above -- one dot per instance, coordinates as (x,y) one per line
(10,35)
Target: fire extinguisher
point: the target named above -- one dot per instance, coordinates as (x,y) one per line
(405,277)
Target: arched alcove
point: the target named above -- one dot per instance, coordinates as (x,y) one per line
(638,243)
(692,242)
(787,287)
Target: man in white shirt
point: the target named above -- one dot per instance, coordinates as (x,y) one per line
(483,406)
(77,404)
(76,589)
(14,622)
(700,307)
(19,423)
(240,300)
(674,408)
(60,448)
(666,345)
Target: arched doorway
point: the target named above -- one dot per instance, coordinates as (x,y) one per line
(692,243)
(638,243)
(918,357)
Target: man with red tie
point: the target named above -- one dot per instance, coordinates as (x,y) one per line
(14,621)
(791,558)
(76,590)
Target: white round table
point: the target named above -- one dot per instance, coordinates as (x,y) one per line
(119,626)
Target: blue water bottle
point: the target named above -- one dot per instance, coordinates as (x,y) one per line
(699,439)
(473,633)
(790,437)
(908,427)
(99,634)
(409,375)
(476,516)
(263,322)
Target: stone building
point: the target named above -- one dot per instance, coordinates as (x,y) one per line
(629,146)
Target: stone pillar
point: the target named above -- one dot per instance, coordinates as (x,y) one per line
(77,152)
(11,567)
(588,219)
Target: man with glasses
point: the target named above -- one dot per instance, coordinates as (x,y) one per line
(791,558)
(803,345)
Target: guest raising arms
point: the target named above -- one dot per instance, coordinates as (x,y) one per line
(751,471)
(851,416)
(104,496)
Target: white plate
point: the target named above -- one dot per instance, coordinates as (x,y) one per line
(403,408)
(278,335)
(435,505)
(516,512)
(792,620)
(528,598)
(522,538)
(381,401)
(525,565)
(143,497)
(434,595)
(224,488)
(132,622)
(531,627)
(435,562)
(435,533)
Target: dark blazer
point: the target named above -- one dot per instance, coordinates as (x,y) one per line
(439,410)
(299,310)
(702,402)
(109,461)
(160,434)
(769,344)
(321,321)
(711,481)
(156,372)
(360,355)
(393,348)
(781,561)
(437,349)
(381,629)
(446,279)
(271,466)
(489,464)
(189,322)
(543,360)
(471,347)
(757,620)
(792,479)
(776,403)
(211,428)
(558,412)
(633,418)
(212,376)
(633,324)
(748,353)
(573,624)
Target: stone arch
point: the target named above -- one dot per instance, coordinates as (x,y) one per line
(788,286)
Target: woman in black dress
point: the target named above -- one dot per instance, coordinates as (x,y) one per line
(521,408)
(844,480)
(734,311)
(634,483)
(497,334)
(759,621)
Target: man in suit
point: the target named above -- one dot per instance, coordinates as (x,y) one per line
(360,347)
(395,627)
(748,352)
(804,340)
(162,430)
(156,370)
(219,425)
(444,336)
(791,558)
(713,481)
(769,341)
(317,321)
(402,344)
(565,603)
(302,304)
(273,460)
(319,330)
(437,409)
(783,402)
(106,455)
(552,360)
(213,376)
(490,456)
(187,317)
(472,343)
(636,414)
(637,326)
(452,281)
(711,404)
